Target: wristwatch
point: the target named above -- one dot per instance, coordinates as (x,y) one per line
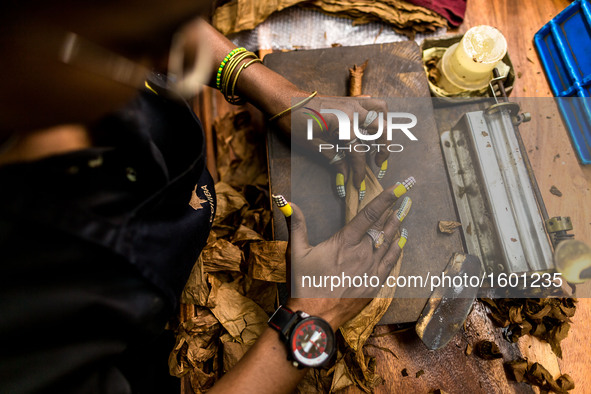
(309,339)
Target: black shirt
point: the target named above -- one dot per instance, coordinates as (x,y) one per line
(96,246)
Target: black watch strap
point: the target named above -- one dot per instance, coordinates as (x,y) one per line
(283,321)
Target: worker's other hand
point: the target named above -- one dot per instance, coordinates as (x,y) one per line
(338,141)
(367,248)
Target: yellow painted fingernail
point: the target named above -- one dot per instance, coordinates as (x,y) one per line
(405,186)
(404,208)
(283,205)
(147,85)
(383,169)
(403,238)
(341,185)
(362,190)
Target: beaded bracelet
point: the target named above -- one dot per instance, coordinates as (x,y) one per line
(229,78)
(294,107)
(218,78)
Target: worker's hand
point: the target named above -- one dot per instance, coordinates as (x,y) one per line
(351,252)
(327,138)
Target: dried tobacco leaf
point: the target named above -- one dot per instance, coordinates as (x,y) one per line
(403,17)
(538,330)
(433,72)
(535,310)
(568,307)
(518,368)
(448,227)
(261,292)
(267,261)
(245,234)
(556,312)
(196,291)
(556,335)
(565,383)
(221,256)
(341,376)
(201,381)
(241,317)
(535,374)
(229,202)
(554,190)
(538,375)
(317,380)
(357,331)
(196,343)
(515,314)
(500,318)
(487,350)
(516,331)
(257,219)
(468,350)
(362,370)
(545,318)
(240,150)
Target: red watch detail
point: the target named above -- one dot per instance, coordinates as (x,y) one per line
(309,339)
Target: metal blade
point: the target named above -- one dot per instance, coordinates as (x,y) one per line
(447,308)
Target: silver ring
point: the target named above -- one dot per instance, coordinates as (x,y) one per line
(370,117)
(353,141)
(338,157)
(377,237)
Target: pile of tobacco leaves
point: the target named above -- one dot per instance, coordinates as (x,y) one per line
(547,319)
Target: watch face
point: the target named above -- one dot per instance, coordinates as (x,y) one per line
(312,342)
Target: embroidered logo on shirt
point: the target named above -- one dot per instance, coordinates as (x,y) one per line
(196,201)
(211,202)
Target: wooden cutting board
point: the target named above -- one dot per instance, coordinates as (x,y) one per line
(394,71)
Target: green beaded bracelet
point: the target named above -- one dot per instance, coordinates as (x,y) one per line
(234,51)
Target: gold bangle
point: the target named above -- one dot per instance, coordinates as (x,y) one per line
(230,79)
(230,68)
(294,107)
(234,99)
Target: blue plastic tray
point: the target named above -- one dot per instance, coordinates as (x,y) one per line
(564,47)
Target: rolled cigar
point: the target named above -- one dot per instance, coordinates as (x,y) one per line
(355,81)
